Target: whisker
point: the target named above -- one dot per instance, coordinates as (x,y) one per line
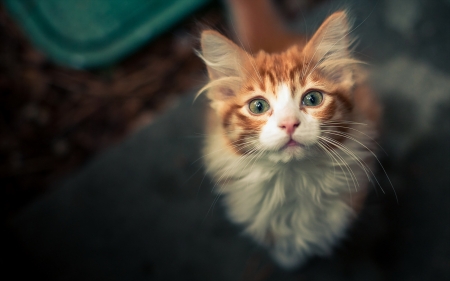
(344,122)
(360,162)
(346,165)
(329,150)
(356,130)
(379,162)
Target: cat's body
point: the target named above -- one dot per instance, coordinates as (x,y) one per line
(289,139)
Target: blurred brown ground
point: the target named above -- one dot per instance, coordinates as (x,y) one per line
(52,118)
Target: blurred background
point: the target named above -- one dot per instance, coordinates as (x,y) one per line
(100,143)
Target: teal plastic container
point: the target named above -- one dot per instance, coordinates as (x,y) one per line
(96,33)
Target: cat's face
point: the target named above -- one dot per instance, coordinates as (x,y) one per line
(276,105)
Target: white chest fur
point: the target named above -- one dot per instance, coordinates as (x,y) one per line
(296,209)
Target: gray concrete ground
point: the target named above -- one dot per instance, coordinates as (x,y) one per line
(144,211)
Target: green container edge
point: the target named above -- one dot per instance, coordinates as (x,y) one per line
(116,51)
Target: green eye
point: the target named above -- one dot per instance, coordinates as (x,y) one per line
(258,106)
(313,98)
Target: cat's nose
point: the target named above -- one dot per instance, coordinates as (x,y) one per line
(289,124)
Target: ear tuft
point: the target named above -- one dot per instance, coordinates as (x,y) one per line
(330,47)
(223,58)
(224,61)
(331,40)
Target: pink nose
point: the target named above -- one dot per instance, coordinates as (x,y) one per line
(289,124)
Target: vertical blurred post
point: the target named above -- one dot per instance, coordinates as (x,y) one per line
(258,26)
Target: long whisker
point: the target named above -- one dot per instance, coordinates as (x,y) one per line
(329,150)
(346,165)
(356,130)
(379,162)
(377,159)
(360,162)
(344,122)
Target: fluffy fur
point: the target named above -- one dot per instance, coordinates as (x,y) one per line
(295,176)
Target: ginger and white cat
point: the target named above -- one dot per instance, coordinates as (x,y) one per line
(290,139)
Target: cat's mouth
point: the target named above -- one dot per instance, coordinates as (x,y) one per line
(292,149)
(292,143)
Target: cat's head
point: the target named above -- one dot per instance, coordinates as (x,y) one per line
(275,104)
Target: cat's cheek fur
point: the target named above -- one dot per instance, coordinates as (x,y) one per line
(308,131)
(271,137)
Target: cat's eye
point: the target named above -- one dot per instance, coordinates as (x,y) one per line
(258,106)
(313,98)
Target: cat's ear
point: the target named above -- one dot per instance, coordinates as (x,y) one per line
(330,47)
(223,58)
(224,61)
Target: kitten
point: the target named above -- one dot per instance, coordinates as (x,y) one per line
(290,137)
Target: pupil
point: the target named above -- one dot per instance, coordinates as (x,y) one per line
(312,99)
(259,105)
